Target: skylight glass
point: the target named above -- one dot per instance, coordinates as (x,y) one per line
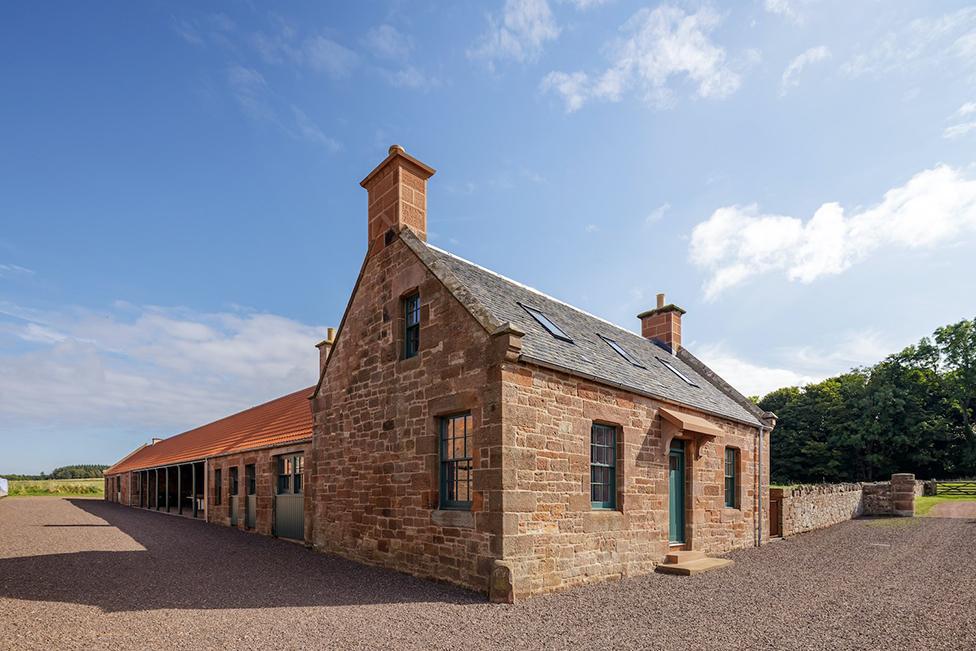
(547,323)
(620,351)
(676,372)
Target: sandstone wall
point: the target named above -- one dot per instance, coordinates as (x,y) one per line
(553,537)
(375,462)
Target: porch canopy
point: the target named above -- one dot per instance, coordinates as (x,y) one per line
(680,425)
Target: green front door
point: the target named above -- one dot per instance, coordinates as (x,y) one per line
(676,490)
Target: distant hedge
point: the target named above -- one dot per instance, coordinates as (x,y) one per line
(84,471)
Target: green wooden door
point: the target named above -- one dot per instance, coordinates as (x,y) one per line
(676,490)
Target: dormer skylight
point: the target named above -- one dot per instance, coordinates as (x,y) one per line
(677,372)
(546,323)
(620,351)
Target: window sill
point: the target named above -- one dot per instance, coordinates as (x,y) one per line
(460,518)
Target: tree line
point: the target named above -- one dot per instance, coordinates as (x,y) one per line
(83,471)
(911,412)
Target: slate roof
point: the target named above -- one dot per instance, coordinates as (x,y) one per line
(498,301)
(284,420)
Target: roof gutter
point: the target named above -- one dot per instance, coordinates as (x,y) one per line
(214,456)
(630,389)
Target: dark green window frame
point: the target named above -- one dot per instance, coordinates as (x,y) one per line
(218,486)
(455,434)
(411,325)
(603,466)
(290,467)
(731,478)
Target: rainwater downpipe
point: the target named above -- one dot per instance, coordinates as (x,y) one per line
(759,519)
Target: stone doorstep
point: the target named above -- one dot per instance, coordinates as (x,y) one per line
(689,563)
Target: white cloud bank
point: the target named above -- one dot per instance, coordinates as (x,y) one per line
(748,378)
(739,242)
(149,369)
(656,46)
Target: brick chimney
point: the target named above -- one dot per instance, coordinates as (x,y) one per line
(663,324)
(397,190)
(325,347)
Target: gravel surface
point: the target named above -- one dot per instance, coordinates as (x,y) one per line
(80,573)
(954,509)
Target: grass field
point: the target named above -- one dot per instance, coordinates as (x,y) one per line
(58,487)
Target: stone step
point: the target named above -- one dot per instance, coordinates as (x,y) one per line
(683,556)
(689,568)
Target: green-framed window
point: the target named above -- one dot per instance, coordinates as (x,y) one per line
(290,467)
(456,461)
(234,473)
(731,478)
(411,326)
(218,486)
(603,466)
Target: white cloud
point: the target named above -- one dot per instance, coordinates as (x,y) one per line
(310,131)
(386,42)
(961,128)
(748,378)
(656,47)
(657,214)
(591,228)
(584,5)
(14,270)
(573,87)
(796,66)
(958,130)
(325,55)
(148,368)
(411,78)
(791,10)
(520,34)
(248,86)
(738,242)
(922,42)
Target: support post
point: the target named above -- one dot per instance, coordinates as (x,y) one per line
(167,490)
(179,489)
(156,492)
(193,469)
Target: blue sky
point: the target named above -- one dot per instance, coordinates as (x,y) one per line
(180,214)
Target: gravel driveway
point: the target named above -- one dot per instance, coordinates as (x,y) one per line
(80,573)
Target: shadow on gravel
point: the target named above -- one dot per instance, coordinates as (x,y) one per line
(190,564)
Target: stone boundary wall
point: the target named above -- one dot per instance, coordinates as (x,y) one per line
(810,507)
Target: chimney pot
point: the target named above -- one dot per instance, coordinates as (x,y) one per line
(325,348)
(662,325)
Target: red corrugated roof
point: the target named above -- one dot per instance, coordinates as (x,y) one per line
(283,420)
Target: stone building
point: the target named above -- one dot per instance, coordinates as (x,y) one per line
(468,428)
(472,429)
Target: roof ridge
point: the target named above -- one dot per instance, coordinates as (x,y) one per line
(532,289)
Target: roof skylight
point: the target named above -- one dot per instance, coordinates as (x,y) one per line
(620,351)
(547,323)
(677,372)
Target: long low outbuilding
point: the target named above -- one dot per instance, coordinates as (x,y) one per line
(245,470)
